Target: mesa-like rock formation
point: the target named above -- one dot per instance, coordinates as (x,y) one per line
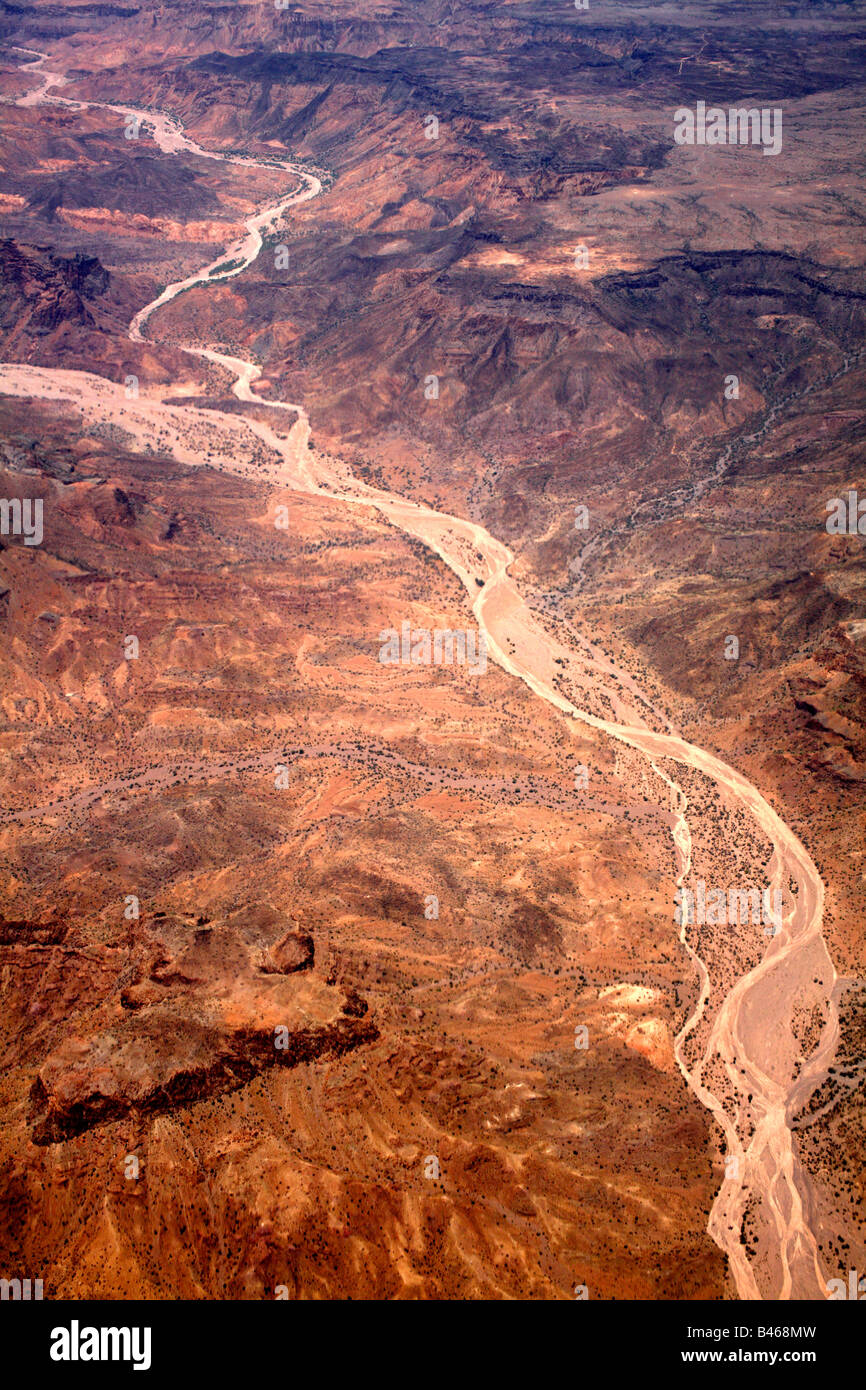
(206,1019)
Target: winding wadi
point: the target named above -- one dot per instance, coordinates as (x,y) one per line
(767,1080)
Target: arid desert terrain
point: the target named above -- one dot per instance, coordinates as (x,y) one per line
(432,649)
